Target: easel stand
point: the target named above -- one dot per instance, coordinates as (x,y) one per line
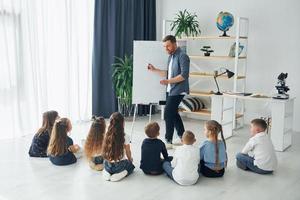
(134,118)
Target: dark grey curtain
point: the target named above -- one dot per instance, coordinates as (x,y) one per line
(116,24)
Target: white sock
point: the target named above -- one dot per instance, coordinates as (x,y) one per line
(79,153)
(119,176)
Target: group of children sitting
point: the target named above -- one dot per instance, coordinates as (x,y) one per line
(108,150)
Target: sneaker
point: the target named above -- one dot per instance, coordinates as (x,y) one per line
(106,175)
(169,145)
(177,142)
(118,176)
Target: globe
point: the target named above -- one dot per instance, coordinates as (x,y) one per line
(225,21)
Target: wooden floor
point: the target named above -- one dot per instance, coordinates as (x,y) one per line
(23,178)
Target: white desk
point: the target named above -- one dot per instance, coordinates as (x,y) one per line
(282,114)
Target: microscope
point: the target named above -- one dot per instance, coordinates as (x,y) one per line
(281,88)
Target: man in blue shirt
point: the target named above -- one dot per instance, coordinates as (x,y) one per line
(177,82)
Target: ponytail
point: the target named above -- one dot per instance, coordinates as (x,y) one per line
(214,127)
(222,136)
(223,139)
(216,151)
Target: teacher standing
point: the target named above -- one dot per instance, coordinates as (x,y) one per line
(177,82)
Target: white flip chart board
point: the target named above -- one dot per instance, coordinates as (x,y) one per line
(146,87)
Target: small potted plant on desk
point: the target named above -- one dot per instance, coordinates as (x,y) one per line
(207,50)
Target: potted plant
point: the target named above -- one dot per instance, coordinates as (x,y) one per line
(207,50)
(185,23)
(122,79)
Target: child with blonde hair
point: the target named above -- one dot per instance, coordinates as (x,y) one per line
(40,141)
(184,167)
(61,149)
(213,156)
(93,143)
(116,145)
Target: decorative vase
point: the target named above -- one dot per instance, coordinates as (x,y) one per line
(125,107)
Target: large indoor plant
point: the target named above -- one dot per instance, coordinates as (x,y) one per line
(122,79)
(185,24)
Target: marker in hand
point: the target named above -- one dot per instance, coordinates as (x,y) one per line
(150,66)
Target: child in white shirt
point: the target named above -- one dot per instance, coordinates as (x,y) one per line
(258,155)
(184,167)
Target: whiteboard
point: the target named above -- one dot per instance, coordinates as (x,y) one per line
(146,88)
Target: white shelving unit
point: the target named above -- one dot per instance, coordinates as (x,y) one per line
(239,68)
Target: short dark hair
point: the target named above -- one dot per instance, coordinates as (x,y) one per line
(260,123)
(152,130)
(170,38)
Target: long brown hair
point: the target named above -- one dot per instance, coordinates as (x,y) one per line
(113,144)
(214,127)
(58,139)
(94,140)
(49,118)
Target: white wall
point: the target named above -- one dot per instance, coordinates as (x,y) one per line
(274,40)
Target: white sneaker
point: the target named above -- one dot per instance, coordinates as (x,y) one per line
(118,176)
(177,141)
(106,175)
(169,145)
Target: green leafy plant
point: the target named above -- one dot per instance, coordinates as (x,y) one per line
(122,79)
(185,23)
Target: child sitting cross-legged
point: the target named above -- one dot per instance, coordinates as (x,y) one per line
(93,143)
(184,167)
(61,150)
(40,141)
(116,145)
(258,155)
(152,148)
(213,156)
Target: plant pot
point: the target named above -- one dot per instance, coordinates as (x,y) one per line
(207,54)
(125,107)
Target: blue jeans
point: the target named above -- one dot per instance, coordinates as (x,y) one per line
(245,162)
(168,169)
(98,160)
(117,167)
(148,169)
